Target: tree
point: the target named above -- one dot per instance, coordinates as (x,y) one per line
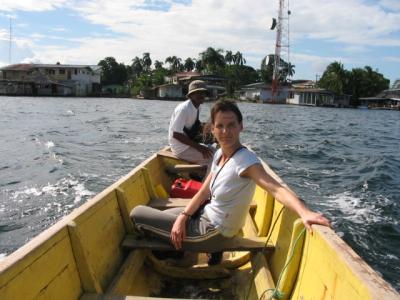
(137,67)
(365,83)
(238,59)
(112,71)
(158,65)
(267,68)
(199,65)
(290,69)
(146,62)
(213,60)
(229,57)
(175,63)
(239,75)
(359,82)
(189,64)
(334,78)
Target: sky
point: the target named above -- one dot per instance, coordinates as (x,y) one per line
(356,33)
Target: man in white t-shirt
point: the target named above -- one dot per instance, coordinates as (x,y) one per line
(183,123)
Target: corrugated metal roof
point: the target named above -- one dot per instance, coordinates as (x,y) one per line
(27,67)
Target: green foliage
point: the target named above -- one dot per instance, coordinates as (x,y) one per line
(158,76)
(112,71)
(239,75)
(267,69)
(359,82)
(334,78)
(189,64)
(213,60)
(175,63)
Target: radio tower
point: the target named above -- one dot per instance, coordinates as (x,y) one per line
(281,47)
(9,49)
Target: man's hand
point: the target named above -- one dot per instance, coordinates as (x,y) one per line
(207,152)
(178,232)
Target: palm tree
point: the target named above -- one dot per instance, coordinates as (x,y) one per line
(175,64)
(229,57)
(137,67)
(289,69)
(213,60)
(267,68)
(158,64)
(334,78)
(238,59)
(199,65)
(146,62)
(189,64)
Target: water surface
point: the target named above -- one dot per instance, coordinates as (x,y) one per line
(56,153)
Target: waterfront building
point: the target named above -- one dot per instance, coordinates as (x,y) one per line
(308,94)
(50,80)
(177,85)
(262,92)
(387,99)
(169,91)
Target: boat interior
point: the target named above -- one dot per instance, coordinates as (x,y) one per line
(93,253)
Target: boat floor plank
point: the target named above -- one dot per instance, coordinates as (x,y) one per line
(92,296)
(235,244)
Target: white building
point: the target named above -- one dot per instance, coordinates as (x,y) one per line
(51,79)
(262,92)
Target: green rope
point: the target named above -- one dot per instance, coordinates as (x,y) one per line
(265,247)
(276,293)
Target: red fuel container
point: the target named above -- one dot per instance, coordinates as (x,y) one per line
(182,188)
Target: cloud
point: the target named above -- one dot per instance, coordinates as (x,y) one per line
(59,29)
(316,64)
(392,5)
(127,28)
(392,59)
(351,22)
(31,5)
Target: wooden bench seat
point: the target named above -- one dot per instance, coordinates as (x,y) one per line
(165,203)
(186,168)
(93,296)
(235,244)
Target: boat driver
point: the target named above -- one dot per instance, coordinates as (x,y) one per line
(185,125)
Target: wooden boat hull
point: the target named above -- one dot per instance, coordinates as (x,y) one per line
(81,257)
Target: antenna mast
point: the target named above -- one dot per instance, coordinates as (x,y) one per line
(9,48)
(281,47)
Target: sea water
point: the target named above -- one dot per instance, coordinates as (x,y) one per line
(56,153)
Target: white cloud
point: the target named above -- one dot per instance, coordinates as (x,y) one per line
(352,22)
(393,5)
(31,5)
(239,25)
(59,29)
(392,59)
(316,64)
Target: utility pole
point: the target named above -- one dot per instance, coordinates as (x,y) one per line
(9,48)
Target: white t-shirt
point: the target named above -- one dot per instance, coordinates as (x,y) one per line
(231,193)
(185,115)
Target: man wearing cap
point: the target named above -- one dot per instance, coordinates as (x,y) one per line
(184,120)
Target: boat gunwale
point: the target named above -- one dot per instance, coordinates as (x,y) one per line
(44,236)
(370,279)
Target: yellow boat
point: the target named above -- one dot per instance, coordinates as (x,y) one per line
(90,254)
